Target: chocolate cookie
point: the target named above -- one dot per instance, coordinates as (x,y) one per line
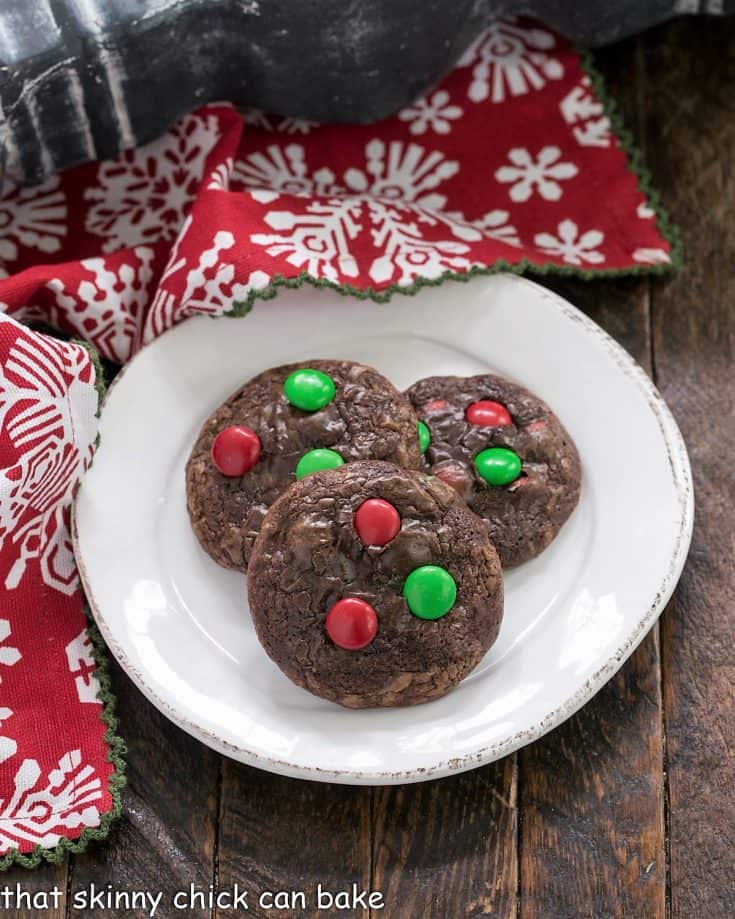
(372,585)
(282,425)
(506,453)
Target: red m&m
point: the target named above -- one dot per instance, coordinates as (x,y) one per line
(351,623)
(456,476)
(435,405)
(377,522)
(488,414)
(235,450)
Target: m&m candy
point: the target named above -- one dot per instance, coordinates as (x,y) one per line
(235,450)
(457,476)
(424,436)
(488,414)
(377,522)
(498,465)
(351,623)
(318,459)
(430,592)
(309,389)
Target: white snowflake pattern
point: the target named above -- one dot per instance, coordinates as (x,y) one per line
(512,59)
(41,810)
(395,195)
(210,286)
(495,225)
(82,667)
(542,173)
(651,256)
(9,656)
(34,218)
(431,113)
(219,179)
(109,310)
(397,232)
(281,171)
(644,211)
(586,115)
(50,420)
(143,196)
(8,746)
(404,173)
(570,245)
(317,241)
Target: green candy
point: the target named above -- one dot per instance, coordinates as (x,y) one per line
(314,460)
(498,465)
(430,592)
(424,436)
(308,389)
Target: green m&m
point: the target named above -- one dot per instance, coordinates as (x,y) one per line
(314,460)
(309,389)
(498,465)
(430,592)
(424,436)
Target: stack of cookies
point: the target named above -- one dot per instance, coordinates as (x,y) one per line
(373,524)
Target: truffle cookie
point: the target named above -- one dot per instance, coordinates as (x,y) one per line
(505,452)
(372,585)
(283,424)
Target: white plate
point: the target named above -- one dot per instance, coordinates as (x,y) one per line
(179,624)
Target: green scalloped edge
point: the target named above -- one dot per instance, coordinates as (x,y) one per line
(664,224)
(116,745)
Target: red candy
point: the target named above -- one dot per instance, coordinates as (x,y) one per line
(235,450)
(488,414)
(351,623)
(377,522)
(436,405)
(454,476)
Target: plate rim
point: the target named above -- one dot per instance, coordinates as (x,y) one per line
(683,487)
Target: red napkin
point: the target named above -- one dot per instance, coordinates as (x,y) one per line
(512,162)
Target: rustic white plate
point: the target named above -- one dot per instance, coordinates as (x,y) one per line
(179,624)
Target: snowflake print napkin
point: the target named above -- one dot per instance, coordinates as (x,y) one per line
(57,778)
(512,162)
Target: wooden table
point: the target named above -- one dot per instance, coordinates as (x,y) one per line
(626,810)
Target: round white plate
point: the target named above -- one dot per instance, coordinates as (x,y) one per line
(179,624)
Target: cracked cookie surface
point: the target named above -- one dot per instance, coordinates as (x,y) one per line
(367,418)
(524,515)
(309,555)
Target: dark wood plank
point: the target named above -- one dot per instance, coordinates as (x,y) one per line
(40,884)
(591,798)
(591,805)
(691,126)
(166,838)
(278,834)
(448,847)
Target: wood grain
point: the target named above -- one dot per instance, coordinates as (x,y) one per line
(448,847)
(280,834)
(166,837)
(690,69)
(36,881)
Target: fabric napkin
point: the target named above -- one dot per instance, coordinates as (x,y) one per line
(515,161)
